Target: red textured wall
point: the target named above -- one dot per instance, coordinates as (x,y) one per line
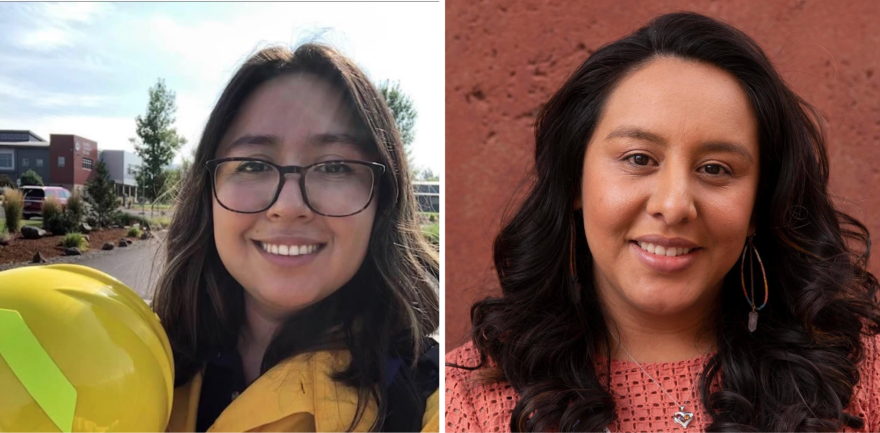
(504,59)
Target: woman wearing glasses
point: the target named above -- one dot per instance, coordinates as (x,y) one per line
(298,293)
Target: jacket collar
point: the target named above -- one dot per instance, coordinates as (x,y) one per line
(302,384)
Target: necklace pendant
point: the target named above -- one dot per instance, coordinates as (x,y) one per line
(753,321)
(683,418)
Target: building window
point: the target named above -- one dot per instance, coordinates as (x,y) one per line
(11,136)
(7,161)
(60,161)
(25,162)
(87,163)
(39,162)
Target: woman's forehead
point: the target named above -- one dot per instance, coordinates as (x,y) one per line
(300,111)
(681,101)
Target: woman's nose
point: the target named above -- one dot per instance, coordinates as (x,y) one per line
(672,198)
(290,202)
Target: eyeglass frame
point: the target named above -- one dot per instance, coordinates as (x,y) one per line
(283,170)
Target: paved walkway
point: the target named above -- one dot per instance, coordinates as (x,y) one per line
(139,268)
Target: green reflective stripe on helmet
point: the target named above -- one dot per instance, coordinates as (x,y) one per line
(36,370)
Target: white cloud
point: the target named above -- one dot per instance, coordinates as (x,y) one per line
(33,97)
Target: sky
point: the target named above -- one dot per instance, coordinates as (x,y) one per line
(85,68)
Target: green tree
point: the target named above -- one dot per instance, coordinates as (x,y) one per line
(158,139)
(405,116)
(428,175)
(6,182)
(31,178)
(101,194)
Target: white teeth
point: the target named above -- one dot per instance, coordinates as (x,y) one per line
(288,250)
(662,251)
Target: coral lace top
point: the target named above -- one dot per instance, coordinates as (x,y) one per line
(473,406)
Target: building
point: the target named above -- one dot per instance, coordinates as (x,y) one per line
(72,159)
(123,167)
(428,196)
(21,151)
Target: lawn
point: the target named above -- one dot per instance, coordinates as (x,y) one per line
(35,223)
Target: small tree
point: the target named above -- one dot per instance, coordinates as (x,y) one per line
(31,178)
(405,115)
(158,140)
(101,194)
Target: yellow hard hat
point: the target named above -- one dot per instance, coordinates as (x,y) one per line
(80,351)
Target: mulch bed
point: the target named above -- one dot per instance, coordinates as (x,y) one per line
(23,250)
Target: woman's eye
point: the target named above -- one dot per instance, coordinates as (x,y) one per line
(335,168)
(639,159)
(252,167)
(715,169)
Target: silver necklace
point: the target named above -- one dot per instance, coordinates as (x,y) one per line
(681,417)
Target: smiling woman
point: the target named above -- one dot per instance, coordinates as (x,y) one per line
(295,271)
(664,164)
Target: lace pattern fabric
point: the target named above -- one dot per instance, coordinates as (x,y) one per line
(474,406)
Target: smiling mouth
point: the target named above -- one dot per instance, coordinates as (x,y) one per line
(290,250)
(659,250)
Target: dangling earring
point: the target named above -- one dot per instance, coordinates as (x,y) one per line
(753,315)
(572,262)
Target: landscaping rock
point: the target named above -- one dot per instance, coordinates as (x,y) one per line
(72,252)
(129,241)
(4,240)
(146,235)
(108,246)
(85,228)
(123,243)
(38,258)
(87,238)
(30,232)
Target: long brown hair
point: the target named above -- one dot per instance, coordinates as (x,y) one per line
(388,308)
(796,372)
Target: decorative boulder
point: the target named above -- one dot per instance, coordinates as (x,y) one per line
(123,243)
(38,258)
(30,232)
(129,241)
(108,246)
(4,240)
(85,229)
(146,235)
(72,252)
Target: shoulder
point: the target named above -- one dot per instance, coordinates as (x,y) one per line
(865,401)
(472,403)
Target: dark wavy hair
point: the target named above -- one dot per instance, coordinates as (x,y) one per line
(796,372)
(390,306)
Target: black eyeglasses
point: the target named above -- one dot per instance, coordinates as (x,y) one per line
(336,188)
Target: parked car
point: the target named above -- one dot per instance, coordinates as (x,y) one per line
(35,195)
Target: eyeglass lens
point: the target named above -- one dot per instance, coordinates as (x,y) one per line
(332,188)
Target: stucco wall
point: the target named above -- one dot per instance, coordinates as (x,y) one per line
(504,59)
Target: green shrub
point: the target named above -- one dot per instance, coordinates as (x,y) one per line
(31,178)
(75,240)
(51,207)
(127,219)
(160,222)
(431,233)
(134,232)
(6,182)
(56,219)
(13,206)
(76,208)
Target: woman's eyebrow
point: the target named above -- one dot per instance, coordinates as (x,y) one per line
(252,140)
(711,146)
(266,140)
(333,138)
